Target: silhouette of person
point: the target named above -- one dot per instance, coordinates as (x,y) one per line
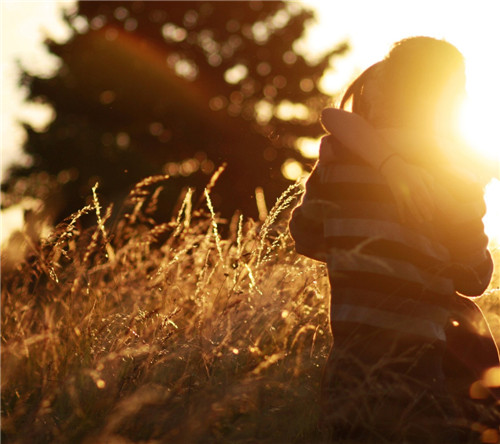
(394,207)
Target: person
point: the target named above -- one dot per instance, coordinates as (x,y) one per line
(395,211)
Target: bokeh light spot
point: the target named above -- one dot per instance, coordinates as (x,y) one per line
(123,140)
(186,68)
(491,377)
(173,33)
(270,91)
(97,22)
(107,97)
(263,111)
(308,147)
(121,13)
(233,25)
(236,74)
(279,81)
(306,85)
(289,57)
(171,168)
(263,68)
(287,110)
(189,166)
(260,32)
(207,166)
(291,169)
(130,24)
(156,128)
(478,391)
(190,18)
(217,103)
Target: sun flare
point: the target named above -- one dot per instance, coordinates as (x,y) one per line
(479,111)
(479,129)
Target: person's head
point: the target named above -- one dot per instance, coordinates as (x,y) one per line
(419,84)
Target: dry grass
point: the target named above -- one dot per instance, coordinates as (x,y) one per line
(132,331)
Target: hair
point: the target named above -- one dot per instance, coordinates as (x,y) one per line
(404,89)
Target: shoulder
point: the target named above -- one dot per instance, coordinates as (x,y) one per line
(332,150)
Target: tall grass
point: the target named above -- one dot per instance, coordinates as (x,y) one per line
(134,331)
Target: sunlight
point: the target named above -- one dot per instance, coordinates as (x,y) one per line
(477,120)
(492,218)
(479,128)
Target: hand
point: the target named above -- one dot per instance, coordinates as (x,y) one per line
(412,188)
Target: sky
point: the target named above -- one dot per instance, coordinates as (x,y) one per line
(24,25)
(373,26)
(370,26)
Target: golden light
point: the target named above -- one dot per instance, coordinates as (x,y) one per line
(492,218)
(371,35)
(478,127)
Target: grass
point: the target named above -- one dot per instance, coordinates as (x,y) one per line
(134,331)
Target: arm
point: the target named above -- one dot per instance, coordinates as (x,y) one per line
(410,185)
(358,135)
(463,231)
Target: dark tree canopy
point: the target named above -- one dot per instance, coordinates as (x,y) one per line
(174,88)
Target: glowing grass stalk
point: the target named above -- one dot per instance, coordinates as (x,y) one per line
(185,209)
(100,222)
(153,203)
(159,337)
(239,247)
(268,362)
(253,283)
(138,194)
(215,177)
(284,201)
(97,207)
(214,226)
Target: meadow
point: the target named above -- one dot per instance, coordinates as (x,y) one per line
(131,331)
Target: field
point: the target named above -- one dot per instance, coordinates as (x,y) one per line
(135,331)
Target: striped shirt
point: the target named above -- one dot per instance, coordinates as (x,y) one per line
(386,274)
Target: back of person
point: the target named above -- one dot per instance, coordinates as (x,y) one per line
(394,306)
(392,287)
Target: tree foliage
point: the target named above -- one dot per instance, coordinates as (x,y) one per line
(177,88)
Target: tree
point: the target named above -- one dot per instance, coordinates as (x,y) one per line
(176,88)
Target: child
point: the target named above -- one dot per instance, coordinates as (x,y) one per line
(394,276)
